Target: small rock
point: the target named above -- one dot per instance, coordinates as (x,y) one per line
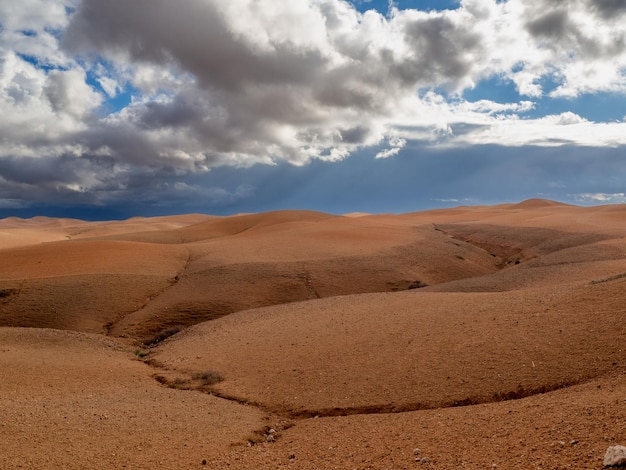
(272,431)
(270,438)
(204,462)
(573,442)
(425,460)
(416,451)
(615,456)
(292,456)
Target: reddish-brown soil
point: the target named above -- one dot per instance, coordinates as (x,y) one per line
(487,337)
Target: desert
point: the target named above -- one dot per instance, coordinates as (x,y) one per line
(472,337)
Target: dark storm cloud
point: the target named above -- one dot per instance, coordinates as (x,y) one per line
(609,8)
(551,24)
(57,179)
(444,51)
(354,135)
(46,171)
(554,21)
(192,33)
(177,113)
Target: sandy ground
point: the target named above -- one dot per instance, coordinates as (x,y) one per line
(484,337)
(71,400)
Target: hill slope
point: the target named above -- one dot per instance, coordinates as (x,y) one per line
(480,335)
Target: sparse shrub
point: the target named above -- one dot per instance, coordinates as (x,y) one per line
(162,380)
(257,438)
(163,334)
(178,382)
(7,292)
(417,285)
(209,377)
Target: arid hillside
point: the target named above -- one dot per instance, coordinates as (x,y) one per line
(474,337)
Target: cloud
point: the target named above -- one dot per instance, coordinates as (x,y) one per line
(460,124)
(215,195)
(68,93)
(396,144)
(249,82)
(609,8)
(31,27)
(12,204)
(603,198)
(583,41)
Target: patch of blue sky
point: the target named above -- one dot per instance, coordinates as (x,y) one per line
(117,103)
(596,107)
(37,62)
(425,5)
(28,33)
(56,33)
(123,94)
(498,89)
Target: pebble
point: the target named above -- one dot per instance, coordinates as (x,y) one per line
(416,451)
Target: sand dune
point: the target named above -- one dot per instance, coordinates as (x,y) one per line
(494,330)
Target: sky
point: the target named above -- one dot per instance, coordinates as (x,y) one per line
(113,109)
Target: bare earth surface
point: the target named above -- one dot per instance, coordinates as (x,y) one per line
(475,337)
